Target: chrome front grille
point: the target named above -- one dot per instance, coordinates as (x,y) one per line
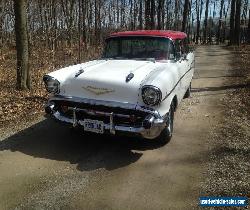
(120,116)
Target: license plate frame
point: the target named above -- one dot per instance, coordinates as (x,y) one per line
(94,126)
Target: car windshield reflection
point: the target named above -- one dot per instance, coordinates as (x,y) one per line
(139,48)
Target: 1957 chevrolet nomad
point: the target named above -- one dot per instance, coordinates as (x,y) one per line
(134,88)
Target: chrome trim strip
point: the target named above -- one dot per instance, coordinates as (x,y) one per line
(74,118)
(112,104)
(112,127)
(177,83)
(93,101)
(100,113)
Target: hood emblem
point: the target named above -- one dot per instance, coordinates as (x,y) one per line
(79,72)
(97,90)
(129,77)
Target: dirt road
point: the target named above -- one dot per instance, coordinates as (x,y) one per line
(46,167)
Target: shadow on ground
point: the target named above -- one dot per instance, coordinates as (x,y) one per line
(226,87)
(50,140)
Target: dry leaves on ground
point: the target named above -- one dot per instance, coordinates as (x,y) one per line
(19,106)
(228,168)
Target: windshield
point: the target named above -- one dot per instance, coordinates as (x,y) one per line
(139,48)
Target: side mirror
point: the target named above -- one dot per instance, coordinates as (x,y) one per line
(178,56)
(184,57)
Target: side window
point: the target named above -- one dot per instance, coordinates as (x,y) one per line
(181,48)
(186,49)
(177,49)
(170,51)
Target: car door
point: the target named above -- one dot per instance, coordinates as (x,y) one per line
(183,66)
(189,56)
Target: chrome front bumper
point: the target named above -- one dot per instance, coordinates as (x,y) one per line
(151,127)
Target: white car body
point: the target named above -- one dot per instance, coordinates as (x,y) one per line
(103,84)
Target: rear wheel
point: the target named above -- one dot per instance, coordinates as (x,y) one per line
(167,133)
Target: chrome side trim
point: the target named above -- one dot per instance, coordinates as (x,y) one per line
(170,92)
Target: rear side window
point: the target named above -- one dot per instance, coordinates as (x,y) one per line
(181,47)
(178,49)
(185,46)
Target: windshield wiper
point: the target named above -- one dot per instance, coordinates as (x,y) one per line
(114,58)
(147,59)
(151,59)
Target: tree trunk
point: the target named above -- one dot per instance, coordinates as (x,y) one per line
(23,77)
(220,22)
(237,22)
(249,20)
(84,6)
(147,14)
(176,15)
(185,15)
(79,30)
(1,25)
(160,14)
(248,28)
(198,22)
(205,23)
(140,16)
(167,24)
(232,22)
(152,14)
(131,24)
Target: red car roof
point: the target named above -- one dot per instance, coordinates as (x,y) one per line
(159,33)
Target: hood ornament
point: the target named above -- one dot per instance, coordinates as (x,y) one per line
(129,77)
(97,90)
(79,72)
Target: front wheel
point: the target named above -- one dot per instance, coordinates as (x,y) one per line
(167,133)
(188,92)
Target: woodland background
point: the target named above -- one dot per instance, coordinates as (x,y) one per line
(39,36)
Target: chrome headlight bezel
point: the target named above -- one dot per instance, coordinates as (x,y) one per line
(155,92)
(52,85)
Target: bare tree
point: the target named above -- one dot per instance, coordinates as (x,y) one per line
(232,21)
(249,19)
(140,15)
(176,15)
(23,77)
(237,22)
(185,15)
(198,21)
(205,22)
(220,22)
(160,14)
(147,14)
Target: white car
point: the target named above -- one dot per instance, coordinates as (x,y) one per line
(134,88)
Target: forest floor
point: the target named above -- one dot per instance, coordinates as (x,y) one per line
(27,106)
(43,166)
(228,165)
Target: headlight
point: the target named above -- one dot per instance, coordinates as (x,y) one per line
(52,85)
(151,95)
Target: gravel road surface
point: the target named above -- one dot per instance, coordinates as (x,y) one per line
(45,166)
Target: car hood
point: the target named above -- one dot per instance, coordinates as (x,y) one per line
(105,79)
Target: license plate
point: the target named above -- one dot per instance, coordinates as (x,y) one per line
(94,126)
